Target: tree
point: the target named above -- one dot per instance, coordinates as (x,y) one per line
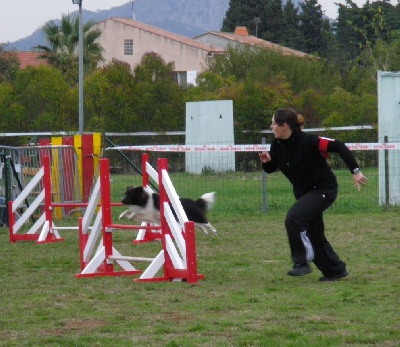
(246,63)
(158,99)
(255,103)
(345,108)
(349,40)
(63,52)
(109,99)
(208,85)
(9,65)
(312,25)
(248,13)
(274,21)
(39,95)
(358,28)
(292,36)
(236,62)
(153,68)
(6,100)
(371,42)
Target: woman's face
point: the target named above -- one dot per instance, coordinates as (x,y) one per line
(280,131)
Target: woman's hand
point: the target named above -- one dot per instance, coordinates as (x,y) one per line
(264,157)
(359,179)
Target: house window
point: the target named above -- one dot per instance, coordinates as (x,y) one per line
(128,47)
(185,78)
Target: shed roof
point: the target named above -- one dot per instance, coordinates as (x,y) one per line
(240,37)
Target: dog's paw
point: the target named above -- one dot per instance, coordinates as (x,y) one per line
(128,214)
(203,229)
(123,214)
(214,231)
(131,216)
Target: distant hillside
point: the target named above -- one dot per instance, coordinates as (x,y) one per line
(189,18)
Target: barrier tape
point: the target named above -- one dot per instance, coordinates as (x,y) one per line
(194,148)
(372,146)
(242,148)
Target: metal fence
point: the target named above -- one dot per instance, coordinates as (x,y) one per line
(246,187)
(20,164)
(236,177)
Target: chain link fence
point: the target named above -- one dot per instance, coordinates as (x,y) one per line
(236,177)
(18,165)
(245,187)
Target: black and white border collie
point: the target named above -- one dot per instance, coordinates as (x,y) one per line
(144,206)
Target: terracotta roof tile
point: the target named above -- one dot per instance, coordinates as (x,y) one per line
(255,41)
(30,59)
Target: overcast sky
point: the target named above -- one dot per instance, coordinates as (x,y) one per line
(20,18)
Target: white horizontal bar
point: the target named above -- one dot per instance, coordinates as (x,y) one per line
(122,257)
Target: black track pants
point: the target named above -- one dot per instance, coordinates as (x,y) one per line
(306,215)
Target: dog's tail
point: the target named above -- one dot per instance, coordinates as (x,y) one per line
(209,199)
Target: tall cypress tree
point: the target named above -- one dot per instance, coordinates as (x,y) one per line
(355,27)
(274,21)
(392,14)
(347,37)
(248,13)
(292,36)
(312,25)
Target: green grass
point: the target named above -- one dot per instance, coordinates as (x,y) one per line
(246,298)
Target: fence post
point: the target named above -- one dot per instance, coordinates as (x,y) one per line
(264,184)
(387,176)
(7,186)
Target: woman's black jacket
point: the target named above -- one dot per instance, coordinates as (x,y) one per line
(300,160)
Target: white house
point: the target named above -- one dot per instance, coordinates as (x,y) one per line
(128,40)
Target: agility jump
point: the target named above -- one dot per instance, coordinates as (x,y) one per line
(49,232)
(177,258)
(44,229)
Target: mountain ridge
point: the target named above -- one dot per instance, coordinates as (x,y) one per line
(190,18)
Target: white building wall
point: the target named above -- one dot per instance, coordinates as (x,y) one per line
(114,33)
(209,123)
(388,125)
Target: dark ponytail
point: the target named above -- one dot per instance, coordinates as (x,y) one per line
(290,117)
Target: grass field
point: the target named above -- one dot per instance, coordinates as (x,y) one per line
(246,298)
